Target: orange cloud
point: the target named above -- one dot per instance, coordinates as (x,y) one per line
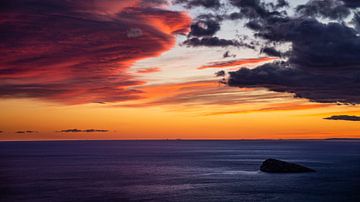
(239,62)
(172,89)
(208,92)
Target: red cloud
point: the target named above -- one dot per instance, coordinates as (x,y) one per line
(239,62)
(148,70)
(80,53)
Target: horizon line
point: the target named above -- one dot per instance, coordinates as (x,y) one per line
(197,139)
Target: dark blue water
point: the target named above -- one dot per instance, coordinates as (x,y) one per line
(176,171)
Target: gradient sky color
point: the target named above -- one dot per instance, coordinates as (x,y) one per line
(124,67)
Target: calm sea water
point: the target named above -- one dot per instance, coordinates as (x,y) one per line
(176,171)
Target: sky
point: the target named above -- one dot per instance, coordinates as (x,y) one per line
(180,69)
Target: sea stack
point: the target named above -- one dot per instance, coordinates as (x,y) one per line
(278,166)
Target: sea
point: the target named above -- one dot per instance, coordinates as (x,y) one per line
(177,170)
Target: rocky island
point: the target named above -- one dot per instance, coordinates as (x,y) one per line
(278,166)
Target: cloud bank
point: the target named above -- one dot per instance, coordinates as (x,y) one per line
(322,62)
(79,52)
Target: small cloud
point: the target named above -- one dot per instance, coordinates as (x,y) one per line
(70,131)
(221,73)
(95,130)
(74,130)
(148,70)
(344,118)
(26,131)
(228,54)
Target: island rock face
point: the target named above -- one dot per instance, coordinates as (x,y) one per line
(277,166)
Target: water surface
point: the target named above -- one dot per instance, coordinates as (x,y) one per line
(176,171)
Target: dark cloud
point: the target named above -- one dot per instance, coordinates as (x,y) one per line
(250,8)
(256,9)
(318,86)
(80,52)
(333,9)
(26,131)
(210,42)
(356,21)
(270,51)
(211,4)
(322,63)
(352,3)
(281,4)
(221,73)
(74,130)
(227,54)
(344,118)
(204,28)
(254,25)
(94,130)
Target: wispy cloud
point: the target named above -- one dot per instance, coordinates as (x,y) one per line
(26,131)
(208,92)
(75,130)
(148,70)
(239,62)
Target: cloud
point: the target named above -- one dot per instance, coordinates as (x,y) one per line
(26,131)
(84,57)
(210,42)
(322,63)
(322,66)
(211,4)
(227,54)
(220,73)
(344,118)
(325,87)
(239,62)
(333,9)
(270,51)
(204,28)
(352,3)
(148,70)
(201,93)
(256,9)
(74,130)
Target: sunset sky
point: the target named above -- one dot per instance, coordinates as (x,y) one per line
(189,69)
